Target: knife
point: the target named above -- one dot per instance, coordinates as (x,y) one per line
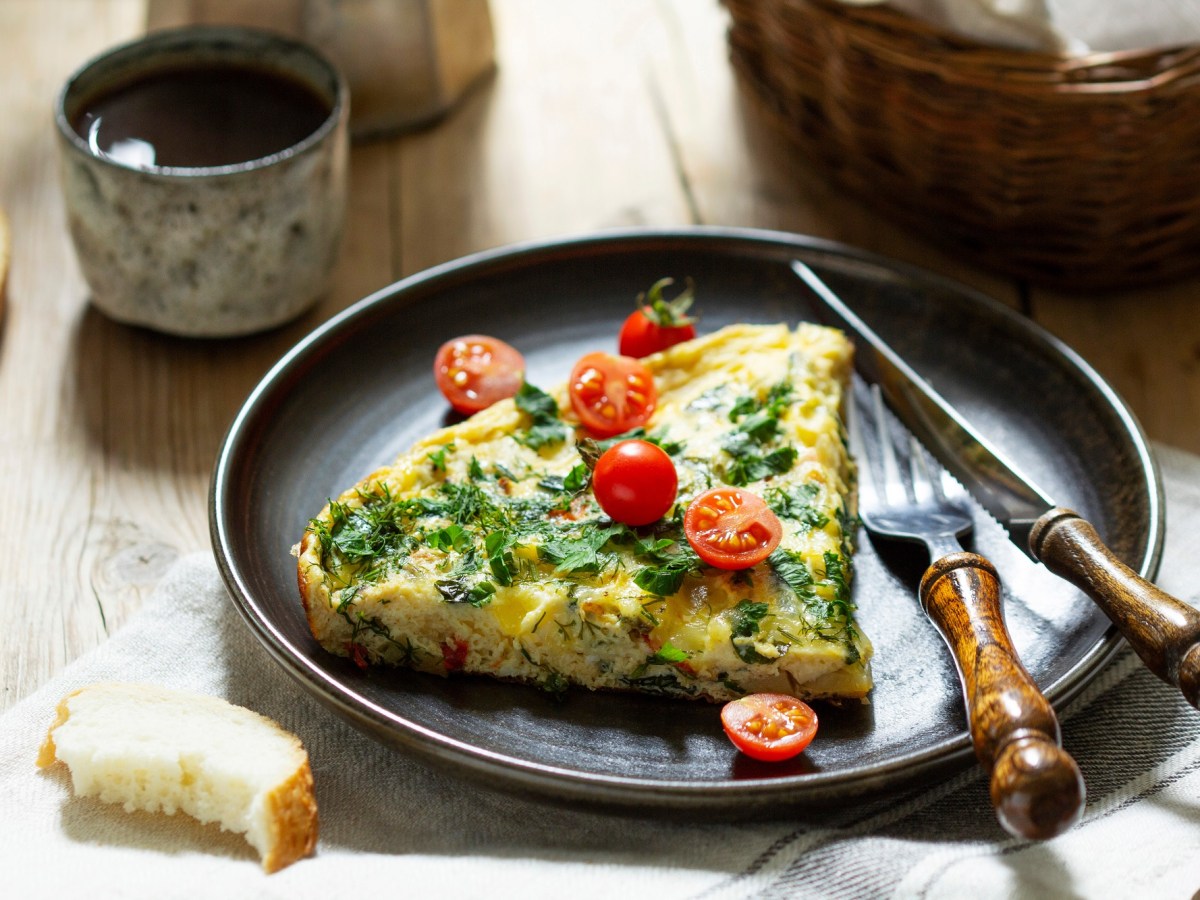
(1163,631)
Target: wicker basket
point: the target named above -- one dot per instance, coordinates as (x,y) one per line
(1081,173)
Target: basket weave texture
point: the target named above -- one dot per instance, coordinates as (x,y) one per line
(1082,173)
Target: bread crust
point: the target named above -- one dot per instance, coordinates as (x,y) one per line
(47,754)
(293,811)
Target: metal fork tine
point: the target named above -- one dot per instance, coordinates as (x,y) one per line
(925,489)
(895,490)
(903,492)
(947,487)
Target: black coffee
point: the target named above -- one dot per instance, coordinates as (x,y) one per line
(200,117)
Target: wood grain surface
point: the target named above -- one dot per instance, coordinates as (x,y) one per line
(1163,630)
(5,255)
(1036,787)
(601,113)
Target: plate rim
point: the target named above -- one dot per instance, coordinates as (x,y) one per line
(554,782)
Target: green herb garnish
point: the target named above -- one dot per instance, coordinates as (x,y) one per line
(498,545)
(665,579)
(454,591)
(793,570)
(578,552)
(438,457)
(758,425)
(547,427)
(452,537)
(746,620)
(797,503)
(669,655)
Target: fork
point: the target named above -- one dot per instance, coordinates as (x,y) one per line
(1036,787)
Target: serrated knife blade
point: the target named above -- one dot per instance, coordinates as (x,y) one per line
(1164,631)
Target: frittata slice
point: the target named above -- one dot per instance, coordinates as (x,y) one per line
(483,550)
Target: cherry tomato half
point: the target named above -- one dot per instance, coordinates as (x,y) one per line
(657,323)
(612,394)
(731,529)
(635,482)
(770,727)
(474,371)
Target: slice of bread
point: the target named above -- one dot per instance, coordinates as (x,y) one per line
(156,749)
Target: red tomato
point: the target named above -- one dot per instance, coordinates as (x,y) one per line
(770,727)
(635,482)
(731,529)
(474,371)
(612,394)
(657,323)
(454,656)
(640,336)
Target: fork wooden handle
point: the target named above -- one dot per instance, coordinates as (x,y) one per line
(1036,786)
(1164,631)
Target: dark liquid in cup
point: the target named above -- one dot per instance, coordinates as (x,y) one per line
(200,117)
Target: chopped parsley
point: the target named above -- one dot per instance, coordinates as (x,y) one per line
(793,570)
(751,459)
(578,552)
(746,620)
(452,537)
(747,617)
(454,591)
(665,579)
(573,482)
(829,611)
(748,466)
(501,561)
(668,654)
(546,427)
(797,503)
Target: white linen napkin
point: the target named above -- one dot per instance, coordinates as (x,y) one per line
(1073,27)
(392,825)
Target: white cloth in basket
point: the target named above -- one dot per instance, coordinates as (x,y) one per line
(1074,27)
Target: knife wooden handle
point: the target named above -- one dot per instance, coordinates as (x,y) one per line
(1036,786)
(1164,631)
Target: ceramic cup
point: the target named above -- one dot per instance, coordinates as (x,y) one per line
(207,250)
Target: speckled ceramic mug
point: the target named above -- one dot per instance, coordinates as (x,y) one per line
(211,250)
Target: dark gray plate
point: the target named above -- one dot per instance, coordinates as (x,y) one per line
(359,390)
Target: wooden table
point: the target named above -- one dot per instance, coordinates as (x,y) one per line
(602,113)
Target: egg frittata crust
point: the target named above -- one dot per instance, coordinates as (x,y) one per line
(482,549)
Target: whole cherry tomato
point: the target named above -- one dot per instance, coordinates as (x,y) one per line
(635,482)
(612,394)
(474,371)
(657,323)
(770,727)
(731,528)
